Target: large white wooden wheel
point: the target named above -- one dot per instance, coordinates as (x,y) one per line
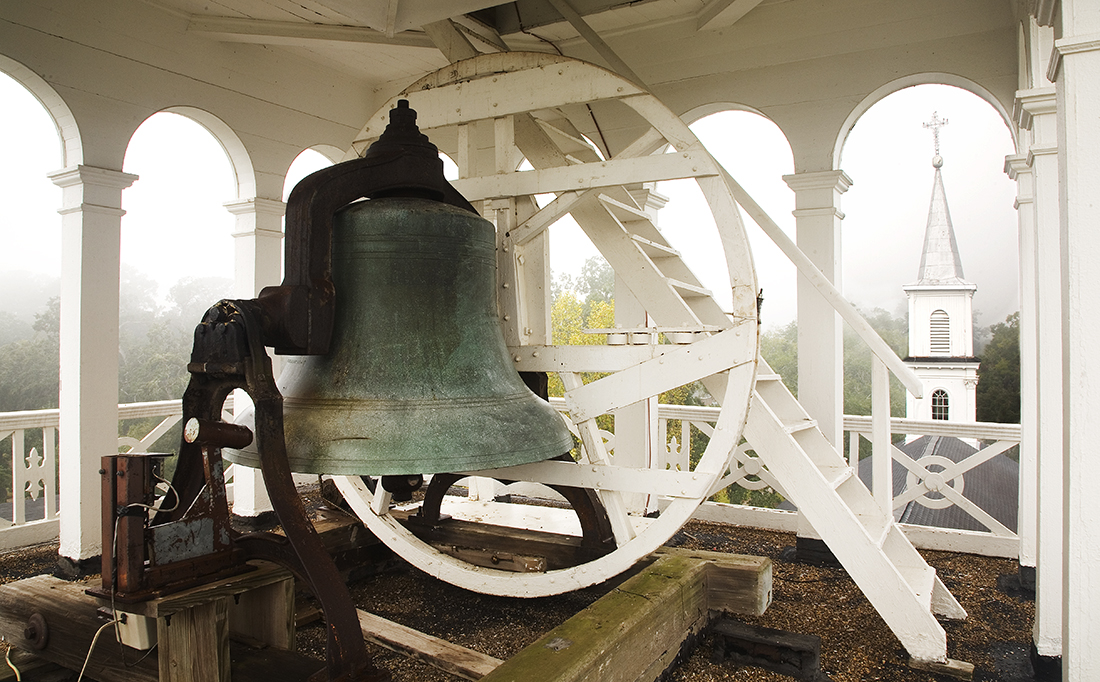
(489,112)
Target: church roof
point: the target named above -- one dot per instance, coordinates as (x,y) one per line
(940,262)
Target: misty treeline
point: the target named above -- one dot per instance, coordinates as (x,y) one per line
(154,343)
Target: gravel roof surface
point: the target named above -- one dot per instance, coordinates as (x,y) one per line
(823,601)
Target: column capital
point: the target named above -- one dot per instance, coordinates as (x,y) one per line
(256,205)
(836,180)
(1034,102)
(91,175)
(1070,45)
(1016,164)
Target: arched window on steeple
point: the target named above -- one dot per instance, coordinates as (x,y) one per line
(940,406)
(940,332)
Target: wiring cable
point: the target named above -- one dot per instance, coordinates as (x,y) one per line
(7,659)
(92,647)
(114,561)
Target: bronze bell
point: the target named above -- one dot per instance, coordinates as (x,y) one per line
(417,378)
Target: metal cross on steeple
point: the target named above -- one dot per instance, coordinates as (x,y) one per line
(935,124)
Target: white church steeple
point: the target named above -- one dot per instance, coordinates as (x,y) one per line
(941,327)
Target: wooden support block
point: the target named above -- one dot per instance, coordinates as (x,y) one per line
(958,669)
(452,658)
(736,583)
(265,614)
(194,643)
(624,636)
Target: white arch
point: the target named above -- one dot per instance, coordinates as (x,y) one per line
(244,174)
(930,78)
(703,110)
(72,152)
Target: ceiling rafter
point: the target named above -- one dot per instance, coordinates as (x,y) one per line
(237,30)
(610,56)
(723,13)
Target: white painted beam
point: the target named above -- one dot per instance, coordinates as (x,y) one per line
(238,30)
(723,13)
(683,365)
(577,21)
(450,41)
(613,173)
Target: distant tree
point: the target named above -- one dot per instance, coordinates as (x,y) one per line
(29,367)
(13,329)
(191,297)
(998,393)
(857,363)
(597,282)
(780,348)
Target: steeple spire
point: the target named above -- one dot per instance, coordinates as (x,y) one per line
(939,262)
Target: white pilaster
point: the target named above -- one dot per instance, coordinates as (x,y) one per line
(820,332)
(258,257)
(1017,168)
(91,221)
(1076,72)
(1041,106)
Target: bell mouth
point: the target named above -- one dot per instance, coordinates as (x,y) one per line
(375,437)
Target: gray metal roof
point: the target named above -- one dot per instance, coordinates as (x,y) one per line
(993,485)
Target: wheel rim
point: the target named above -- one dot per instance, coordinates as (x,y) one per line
(510,86)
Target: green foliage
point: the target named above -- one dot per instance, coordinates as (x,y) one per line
(29,367)
(780,348)
(998,393)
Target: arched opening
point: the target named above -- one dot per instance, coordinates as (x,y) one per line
(755,151)
(30,241)
(888,154)
(177,252)
(941,406)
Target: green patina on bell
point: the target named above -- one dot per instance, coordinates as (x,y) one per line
(419,379)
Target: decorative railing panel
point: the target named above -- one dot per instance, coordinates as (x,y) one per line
(30,515)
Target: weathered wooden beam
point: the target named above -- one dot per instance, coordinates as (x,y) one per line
(736,583)
(72,622)
(636,632)
(452,658)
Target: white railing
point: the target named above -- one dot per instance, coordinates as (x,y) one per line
(32,514)
(34,517)
(933,483)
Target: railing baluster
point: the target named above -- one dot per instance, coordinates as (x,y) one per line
(18,478)
(881,457)
(49,448)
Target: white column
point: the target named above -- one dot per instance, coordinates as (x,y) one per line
(258,257)
(1041,105)
(1017,168)
(820,331)
(91,210)
(1076,72)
